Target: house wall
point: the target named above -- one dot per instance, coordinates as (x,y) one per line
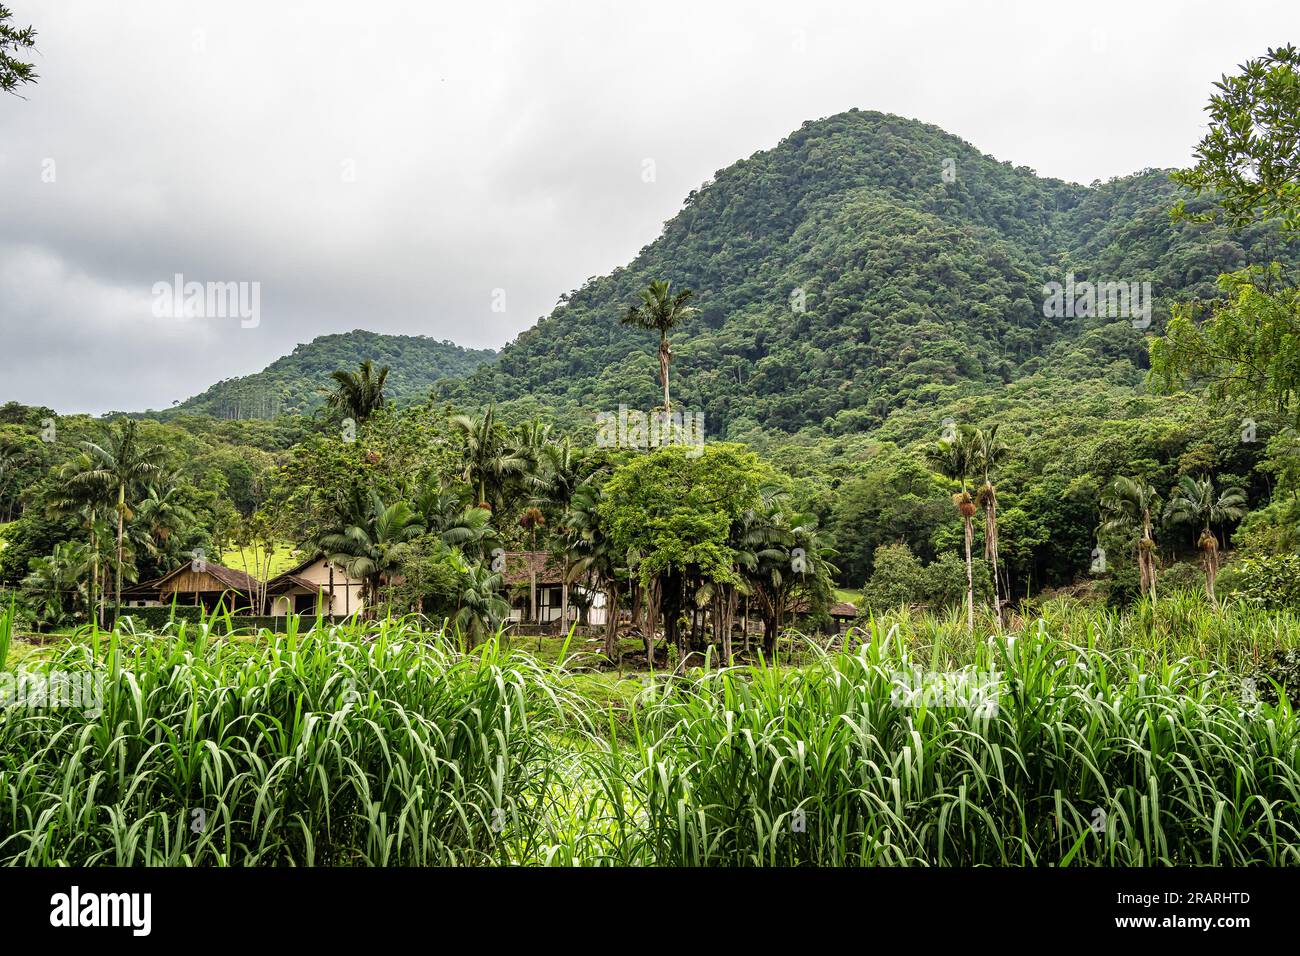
(349,592)
(549,606)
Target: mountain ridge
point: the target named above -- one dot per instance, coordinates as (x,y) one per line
(918,262)
(293,383)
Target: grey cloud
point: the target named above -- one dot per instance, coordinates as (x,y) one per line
(494,146)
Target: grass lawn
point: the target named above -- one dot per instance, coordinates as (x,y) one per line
(283,557)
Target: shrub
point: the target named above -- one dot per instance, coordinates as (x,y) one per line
(1280,670)
(1180,576)
(945,581)
(1271,581)
(897,579)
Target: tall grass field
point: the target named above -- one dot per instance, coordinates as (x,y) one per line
(1162,736)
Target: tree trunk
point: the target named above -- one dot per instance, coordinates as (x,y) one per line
(728,615)
(93,612)
(532,592)
(744,627)
(664,358)
(648,629)
(991,547)
(611,621)
(970,578)
(564,601)
(117,585)
(1150,554)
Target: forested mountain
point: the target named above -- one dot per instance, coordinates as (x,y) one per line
(294,383)
(853,269)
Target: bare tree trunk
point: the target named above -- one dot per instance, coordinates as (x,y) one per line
(532,591)
(94,613)
(117,586)
(744,627)
(991,548)
(564,601)
(665,356)
(970,578)
(1150,554)
(611,621)
(728,615)
(648,628)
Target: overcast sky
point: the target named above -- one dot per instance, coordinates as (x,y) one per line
(374,166)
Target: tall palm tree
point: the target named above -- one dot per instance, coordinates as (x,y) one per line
(661,311)
(123,462)
(1128,506)
(358,395)
(989,452)
(954,457)
(490,460)
(367,545)
(91,500)
(590,555)
(1194,502)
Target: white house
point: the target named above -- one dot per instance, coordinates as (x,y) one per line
(523,567)
(316,582)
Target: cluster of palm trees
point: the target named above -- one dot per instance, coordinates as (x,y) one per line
(1131,507)
(969,456)
(781,566)
(515,483)
(128,502)
(522,486)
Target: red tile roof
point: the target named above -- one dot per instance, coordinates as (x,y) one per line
(549,570)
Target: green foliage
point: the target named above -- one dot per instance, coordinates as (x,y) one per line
(675,511)
(391,751)
(897,578)
(158,618)
(1249,347)
(1250,158)
(1271,581)
(839,278)
(1274,529)
(293,384)
(749,768)
(358,395)
(14,40)
(383,744)
(944,582)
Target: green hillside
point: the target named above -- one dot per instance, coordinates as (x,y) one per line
(909,282)
(293,384)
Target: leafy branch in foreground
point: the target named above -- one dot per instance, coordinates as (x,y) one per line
(1250,158)
(13,71)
